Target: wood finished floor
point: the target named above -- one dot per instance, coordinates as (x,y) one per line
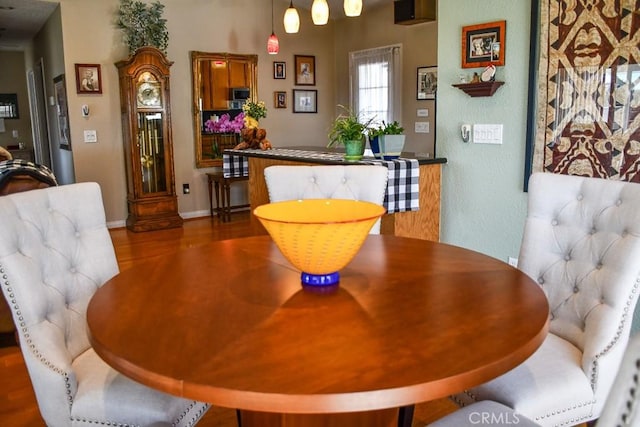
(18,406)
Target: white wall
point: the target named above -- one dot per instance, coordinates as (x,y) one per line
(375,28)
(241,26)
(13,80)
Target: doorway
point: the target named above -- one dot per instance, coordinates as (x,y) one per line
(39,118)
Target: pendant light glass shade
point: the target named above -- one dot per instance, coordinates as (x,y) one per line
(352,7)
(320,12)
(291,19)
(273,45)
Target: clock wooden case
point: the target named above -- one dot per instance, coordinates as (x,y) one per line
(148,148)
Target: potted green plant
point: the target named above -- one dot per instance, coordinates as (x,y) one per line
(386,140)
(143,25)
(349,130)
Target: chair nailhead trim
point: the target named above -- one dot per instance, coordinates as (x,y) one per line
(31,345)
(621,325)
(104,423)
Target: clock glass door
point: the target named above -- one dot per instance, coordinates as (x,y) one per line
(151,146)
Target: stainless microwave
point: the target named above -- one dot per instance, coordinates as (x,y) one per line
(239,93)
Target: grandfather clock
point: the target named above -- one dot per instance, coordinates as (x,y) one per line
(148,148)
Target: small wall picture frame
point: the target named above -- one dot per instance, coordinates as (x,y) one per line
(484,44)
(427,83)
(305,70)
(60,90)
(280,99)
(9,106)
(305,101)
(279,70)
(88,79)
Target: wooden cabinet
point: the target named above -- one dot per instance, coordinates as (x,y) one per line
(22,154)
(421,224)
(221,84)
(148,148)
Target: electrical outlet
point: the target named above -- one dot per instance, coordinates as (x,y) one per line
(185,189)
(513,262)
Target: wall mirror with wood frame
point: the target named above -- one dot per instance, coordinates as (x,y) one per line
(222,82)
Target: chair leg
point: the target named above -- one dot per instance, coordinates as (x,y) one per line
(405,416)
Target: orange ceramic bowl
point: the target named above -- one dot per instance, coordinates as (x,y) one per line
(319,236)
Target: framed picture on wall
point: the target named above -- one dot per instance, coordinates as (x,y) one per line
(427,83)
(305,70)
(88,78)
(280,99)
(483,44)
(9,106)
(279,70)
(305,101)
(62,110)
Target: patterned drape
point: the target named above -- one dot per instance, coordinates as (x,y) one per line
(588,100)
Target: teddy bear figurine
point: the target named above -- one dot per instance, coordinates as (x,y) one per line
(253,138)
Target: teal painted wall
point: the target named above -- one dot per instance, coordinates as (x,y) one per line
(483,202)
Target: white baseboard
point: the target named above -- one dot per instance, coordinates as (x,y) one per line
(116,224)
(195,214)
(184,215)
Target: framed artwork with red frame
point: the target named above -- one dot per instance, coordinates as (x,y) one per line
(484,44)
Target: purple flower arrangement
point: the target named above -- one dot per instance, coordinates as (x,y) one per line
(225,124)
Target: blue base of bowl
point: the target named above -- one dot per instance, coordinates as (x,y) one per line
(320,279)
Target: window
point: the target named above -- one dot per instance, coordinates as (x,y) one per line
(376,82)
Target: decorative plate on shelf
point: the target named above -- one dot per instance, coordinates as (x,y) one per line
(489,74)
(149,95)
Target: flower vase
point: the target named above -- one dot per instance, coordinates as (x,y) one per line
(354,150)
(224,141)
(374,144)
(391,146)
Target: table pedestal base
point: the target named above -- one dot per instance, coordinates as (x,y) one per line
(379,418)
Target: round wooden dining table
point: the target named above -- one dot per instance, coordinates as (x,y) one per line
(229,323)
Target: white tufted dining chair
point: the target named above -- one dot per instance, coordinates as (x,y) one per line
(55,252)
(357,182)
(581,243)
(621,409)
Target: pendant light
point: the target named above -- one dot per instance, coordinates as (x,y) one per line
(320,12)
(273,45)
(291,19)
(352,7)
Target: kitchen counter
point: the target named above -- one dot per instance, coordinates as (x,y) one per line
(422,224)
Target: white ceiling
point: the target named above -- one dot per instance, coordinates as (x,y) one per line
(21,23)
(20,20)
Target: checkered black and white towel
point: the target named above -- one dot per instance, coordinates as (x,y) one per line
(403,190)
(402,187)
(11,168)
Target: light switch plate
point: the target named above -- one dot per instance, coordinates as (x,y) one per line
(487,134)
(422,112)
(422,127)
(90,136)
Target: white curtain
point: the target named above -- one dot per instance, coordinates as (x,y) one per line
(376,82)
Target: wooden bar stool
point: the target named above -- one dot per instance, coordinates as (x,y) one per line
(222,187)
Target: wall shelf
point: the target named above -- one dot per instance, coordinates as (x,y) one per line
(479,89)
